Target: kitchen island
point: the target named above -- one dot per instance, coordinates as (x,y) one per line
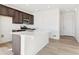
(29,42)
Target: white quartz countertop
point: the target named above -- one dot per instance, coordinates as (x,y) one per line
(24,33)
(36,32)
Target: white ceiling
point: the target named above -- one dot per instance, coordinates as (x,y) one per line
(31,8)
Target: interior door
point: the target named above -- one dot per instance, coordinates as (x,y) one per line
(68,24)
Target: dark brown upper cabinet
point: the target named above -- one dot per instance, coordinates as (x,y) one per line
(3,10)
(31,18)
(20,18)
(25,16)
(28,16)
(10,12)
(17,18)
(17,15)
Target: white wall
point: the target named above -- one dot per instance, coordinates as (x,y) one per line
(77,24)
(48,21)
(61,23)
(5,29)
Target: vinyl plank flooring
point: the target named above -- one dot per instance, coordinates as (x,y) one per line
(65,46)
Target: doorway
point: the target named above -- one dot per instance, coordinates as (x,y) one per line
(67,23)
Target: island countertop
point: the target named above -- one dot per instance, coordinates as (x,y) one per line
(29,32)
(24,33)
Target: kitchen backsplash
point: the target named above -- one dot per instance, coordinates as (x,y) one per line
(17,26)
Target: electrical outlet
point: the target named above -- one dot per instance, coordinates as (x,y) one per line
(2,36)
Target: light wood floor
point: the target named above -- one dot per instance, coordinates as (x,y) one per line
(65,46)
(6,48)
(8,45)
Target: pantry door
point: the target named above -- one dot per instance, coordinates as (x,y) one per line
(69,24)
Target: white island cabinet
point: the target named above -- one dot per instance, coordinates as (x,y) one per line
(29,43)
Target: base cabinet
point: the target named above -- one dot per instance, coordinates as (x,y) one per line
(16,45)
(29,43)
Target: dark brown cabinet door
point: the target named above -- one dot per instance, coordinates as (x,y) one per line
(28,16)
(20,20)
(10,12)
(16,17)
(25,16)
(3,10)
(31,18)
